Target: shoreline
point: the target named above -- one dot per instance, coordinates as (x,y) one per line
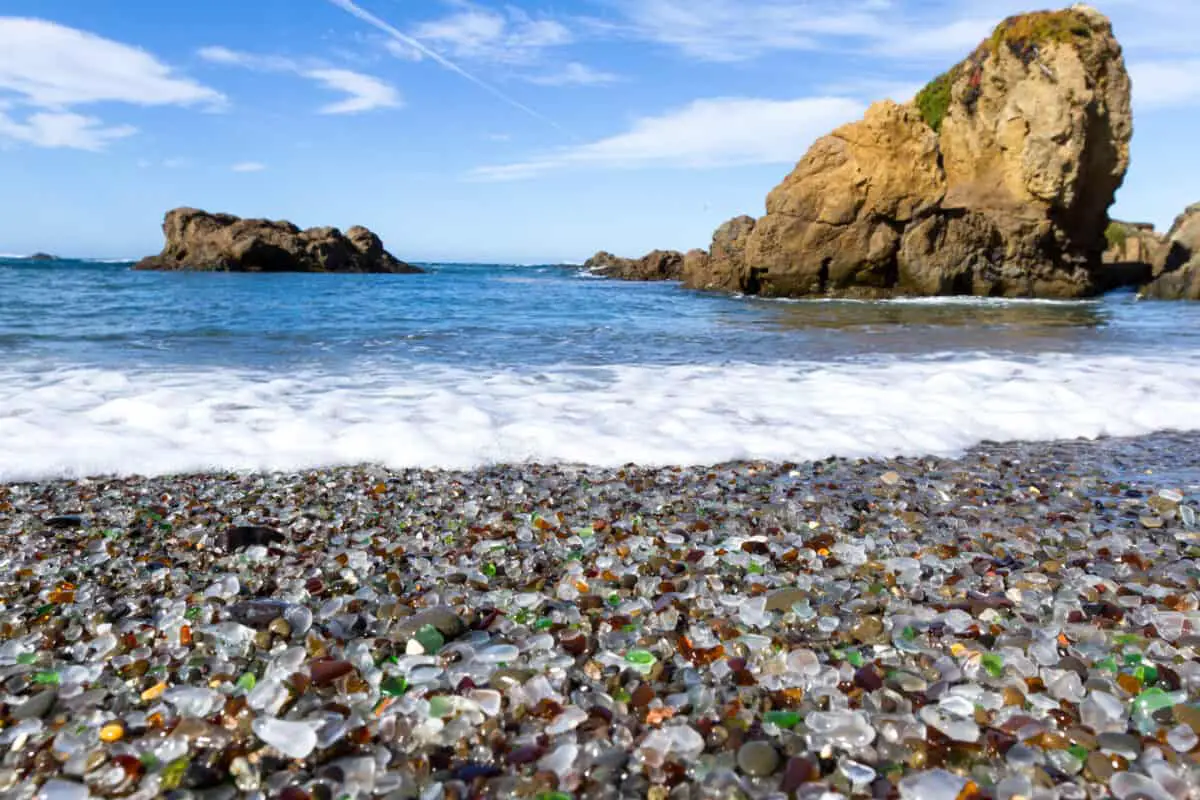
(1177,451)
(1023,617)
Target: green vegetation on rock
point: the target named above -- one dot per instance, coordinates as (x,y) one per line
(1116,235)
(1039,28)
(934,100)
(1022,35)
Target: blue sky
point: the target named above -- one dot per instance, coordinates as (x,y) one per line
(527,131)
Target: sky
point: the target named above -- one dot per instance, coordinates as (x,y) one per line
(529,131)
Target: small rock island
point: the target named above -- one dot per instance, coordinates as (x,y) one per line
(200,241)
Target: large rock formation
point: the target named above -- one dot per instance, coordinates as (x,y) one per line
(658,265)
(197,240)
(1177,269)
(995,180)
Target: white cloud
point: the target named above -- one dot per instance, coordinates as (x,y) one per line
(872,89)
(482,34)
(574,74)
(166,163)
(53,129)
(236,58)
(1162,84)
(248,166)
(950,41)
(363,92)
(52,65)
(50,68)
(707,133)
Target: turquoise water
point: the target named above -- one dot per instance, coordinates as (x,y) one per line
(107,369)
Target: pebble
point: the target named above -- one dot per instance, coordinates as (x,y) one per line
(758,759)
(56,789)
(1018,622)
(37,706)
(934,784)
(1182,738)
(293,739)
(112,732)
(1132,786)
(784,599)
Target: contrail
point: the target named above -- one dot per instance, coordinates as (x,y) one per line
(391,30)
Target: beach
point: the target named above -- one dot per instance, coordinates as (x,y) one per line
(1019,621)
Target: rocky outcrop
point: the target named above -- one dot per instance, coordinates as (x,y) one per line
(996,180)
(198,240)
(1177,271)
(43,257)
(659,265)
(1134,243)
(1133,250)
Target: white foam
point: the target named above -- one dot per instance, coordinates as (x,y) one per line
(80,421)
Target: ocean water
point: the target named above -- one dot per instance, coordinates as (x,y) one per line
(107,370)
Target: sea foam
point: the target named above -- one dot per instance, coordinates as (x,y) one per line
(85,421)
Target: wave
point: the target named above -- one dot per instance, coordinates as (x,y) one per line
(85,421)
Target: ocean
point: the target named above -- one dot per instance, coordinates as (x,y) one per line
(105,370)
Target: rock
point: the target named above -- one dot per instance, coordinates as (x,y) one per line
(694,261)
(43,257)
(197,240)
(257,613)
(1134,248)
(1182,284)
(1183,241)
(64,522)
(996,180)
(441,618)
(659,265)
(724,263)
(240,537)
(1177,273)
(1134,243)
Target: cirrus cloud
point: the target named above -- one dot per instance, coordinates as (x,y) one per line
(574,74)
(715,132)
(476,33)
(363,92)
